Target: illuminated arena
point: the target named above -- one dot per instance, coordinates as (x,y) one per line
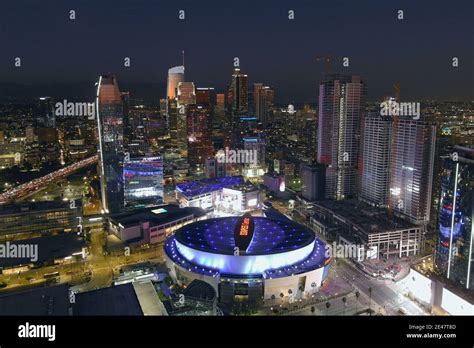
(248,258)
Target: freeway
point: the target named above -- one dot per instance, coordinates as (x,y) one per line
(37,184)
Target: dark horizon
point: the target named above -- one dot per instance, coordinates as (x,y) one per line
(274,50)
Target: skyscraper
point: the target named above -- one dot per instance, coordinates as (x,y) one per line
(263,102)
(341,106)
(175,76)
(109,111)
(45,115)
(238,91)
(206,95)
(237,102)
(199,134)
(186,93)
(186,96)
(411,171)
(128,124)
(375,172)
(455,251)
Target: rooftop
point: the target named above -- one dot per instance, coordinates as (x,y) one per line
(244,187)
(116,300)
(53,300)
(35,207)
(49,248)
(199,187)
(368,218)
(156,216)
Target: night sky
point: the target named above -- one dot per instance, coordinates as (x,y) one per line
(60,55)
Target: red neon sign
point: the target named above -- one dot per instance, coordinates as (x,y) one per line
(244,227)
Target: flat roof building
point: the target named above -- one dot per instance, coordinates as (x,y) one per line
(152,225)
(41,218)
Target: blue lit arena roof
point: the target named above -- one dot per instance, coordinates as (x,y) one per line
(277,248)
(270,236)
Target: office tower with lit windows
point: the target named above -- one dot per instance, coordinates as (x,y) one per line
(263,102)
(411,168)
(376,136)
(45,115)
(199,134)
(186,96)
(109,111)
(175,77)
(238,92)
(142,120)
(143,177)
(172,118)
(237,105)
(341,106)
(127,124)
(454,256)
(255,145)
(206,95)
(219,111)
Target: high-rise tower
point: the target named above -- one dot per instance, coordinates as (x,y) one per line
(411,169)
(341,107)
(455,250)
(375,172)
(109,111)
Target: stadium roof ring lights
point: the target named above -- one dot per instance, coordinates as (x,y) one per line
(246,249)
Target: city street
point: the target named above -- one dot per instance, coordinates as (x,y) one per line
(102,267)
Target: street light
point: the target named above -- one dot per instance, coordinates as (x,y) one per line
(357,300)
(370,300)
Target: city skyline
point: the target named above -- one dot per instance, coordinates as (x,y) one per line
(304,160)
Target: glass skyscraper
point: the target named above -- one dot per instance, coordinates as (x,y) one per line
(454,252)
(109,111)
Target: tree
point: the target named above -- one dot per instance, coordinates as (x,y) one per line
(344,300)
(328,304)
(357,300)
